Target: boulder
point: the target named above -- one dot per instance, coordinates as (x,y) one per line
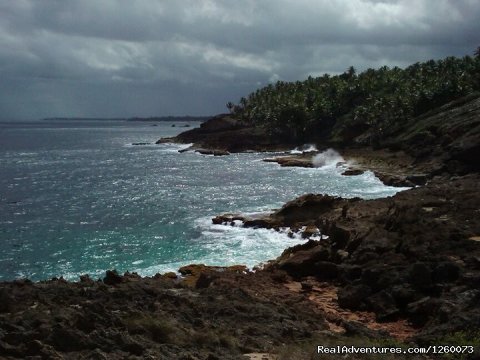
(306,207)
(420,311)
(403,294)
(310,230)
(353,296)
(304,262)
(384,306)
(417,179)
(339,236)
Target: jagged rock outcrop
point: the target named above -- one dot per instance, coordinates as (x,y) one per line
(407,257)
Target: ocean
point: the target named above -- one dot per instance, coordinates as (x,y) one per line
(76,197)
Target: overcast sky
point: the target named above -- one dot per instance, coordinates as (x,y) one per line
(114,58)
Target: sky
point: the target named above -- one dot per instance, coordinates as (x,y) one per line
(123,58)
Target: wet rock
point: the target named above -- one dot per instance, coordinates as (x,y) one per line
(293,161)
(417,179)
(226,219)
(310,230)
(214,152)
(165,140)
(265,223)
(353,172)
(394,180)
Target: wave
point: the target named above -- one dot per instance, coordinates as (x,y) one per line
(329,157)
(306,148)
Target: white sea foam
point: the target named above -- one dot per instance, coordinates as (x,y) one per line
(173,147)
(327,158)
(304,149)
(230,245)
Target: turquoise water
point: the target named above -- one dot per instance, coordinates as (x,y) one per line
(77,197)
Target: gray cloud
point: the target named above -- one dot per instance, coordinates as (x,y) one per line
(140,57)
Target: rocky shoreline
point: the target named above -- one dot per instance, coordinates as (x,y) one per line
(397,271)
(414,256)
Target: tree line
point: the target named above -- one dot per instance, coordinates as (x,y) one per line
(377,99)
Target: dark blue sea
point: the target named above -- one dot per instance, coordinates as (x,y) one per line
(76,197)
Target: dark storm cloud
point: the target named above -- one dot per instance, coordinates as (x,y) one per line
(125,58)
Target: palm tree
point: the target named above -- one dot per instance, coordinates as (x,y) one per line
(477,52)
(230,106)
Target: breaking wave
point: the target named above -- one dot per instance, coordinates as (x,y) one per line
(328,157)
(304,149)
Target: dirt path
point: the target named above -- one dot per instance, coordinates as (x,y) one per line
(324,296)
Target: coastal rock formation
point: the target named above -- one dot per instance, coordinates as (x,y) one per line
(407,257)
(443,141)
(224,133)
(158,317)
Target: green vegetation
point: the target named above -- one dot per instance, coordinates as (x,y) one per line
(308,349)
(343,106)
(160,330)
(461,338)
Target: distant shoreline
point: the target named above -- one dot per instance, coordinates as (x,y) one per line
(144,119)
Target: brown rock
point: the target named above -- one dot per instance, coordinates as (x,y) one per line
(353,296)
(303,262)
(353,172)
(214,152)
(310,230)
(112,277)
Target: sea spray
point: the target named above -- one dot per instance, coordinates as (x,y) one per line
(304,149)
(326,158)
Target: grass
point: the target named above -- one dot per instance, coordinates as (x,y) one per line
(159,330)
(461,338)
(307,350)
